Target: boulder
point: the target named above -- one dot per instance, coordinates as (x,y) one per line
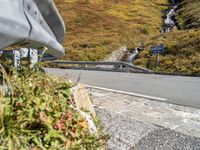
(82,99)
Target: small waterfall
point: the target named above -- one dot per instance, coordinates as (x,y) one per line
(169,18)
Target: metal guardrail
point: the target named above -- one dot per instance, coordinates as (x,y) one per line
(101,65)
(117,66)
(31,24)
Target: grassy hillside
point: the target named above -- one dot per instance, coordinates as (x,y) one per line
(188,14)
(182,53)
(97,27)
(182,46)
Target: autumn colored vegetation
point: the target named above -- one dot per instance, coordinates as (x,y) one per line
(95,28)
(36,114)
(182,44)
(188,14)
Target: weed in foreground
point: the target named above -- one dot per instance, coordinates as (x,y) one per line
(37,115)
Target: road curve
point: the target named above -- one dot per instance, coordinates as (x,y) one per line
(176,89)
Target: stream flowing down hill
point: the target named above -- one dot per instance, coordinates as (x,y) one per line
(169,18)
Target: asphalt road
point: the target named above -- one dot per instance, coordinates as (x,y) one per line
(176,89)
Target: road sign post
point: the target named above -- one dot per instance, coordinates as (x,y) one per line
(157,50)
(157,60)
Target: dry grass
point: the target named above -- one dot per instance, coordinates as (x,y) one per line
(188,14)
(97,27)
(182,53)
(182,46)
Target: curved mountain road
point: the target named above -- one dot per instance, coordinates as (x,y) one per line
(176,89)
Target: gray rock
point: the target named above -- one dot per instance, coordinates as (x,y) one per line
(117,55)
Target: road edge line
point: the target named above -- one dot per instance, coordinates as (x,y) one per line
(127,93)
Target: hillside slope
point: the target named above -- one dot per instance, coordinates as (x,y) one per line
(182,53)
(188,14)
(95,28)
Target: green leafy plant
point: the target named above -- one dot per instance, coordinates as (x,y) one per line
(37,115)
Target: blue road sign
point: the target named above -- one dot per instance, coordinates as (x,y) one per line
(157,49)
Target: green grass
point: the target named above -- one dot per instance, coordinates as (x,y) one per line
(37,115)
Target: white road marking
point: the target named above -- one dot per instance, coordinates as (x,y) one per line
(127,93)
